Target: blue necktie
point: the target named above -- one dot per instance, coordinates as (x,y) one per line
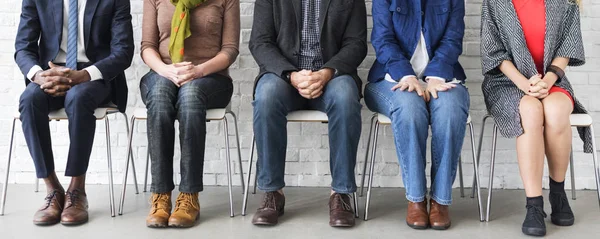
(72,35)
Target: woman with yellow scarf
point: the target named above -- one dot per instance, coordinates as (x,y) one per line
(189,46)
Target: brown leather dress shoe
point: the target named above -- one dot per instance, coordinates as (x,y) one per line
(49,213)
(439,216)
(269,211)
(76,208)
(416,216)
(160,210)
(340,211)
(187,211)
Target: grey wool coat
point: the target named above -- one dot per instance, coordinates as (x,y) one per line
(502,38)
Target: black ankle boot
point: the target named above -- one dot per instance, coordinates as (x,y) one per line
(534,224)
(561,215)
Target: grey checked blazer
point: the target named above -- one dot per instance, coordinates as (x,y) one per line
(502,39)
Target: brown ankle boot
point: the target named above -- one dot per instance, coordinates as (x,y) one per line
(159,211)
(187,210)
(416,216)
(439,216)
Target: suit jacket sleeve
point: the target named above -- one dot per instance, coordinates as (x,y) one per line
(121,44)
(28,34)
(263,41)
(354,42)
(450,48)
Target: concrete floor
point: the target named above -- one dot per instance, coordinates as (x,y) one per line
(306,216)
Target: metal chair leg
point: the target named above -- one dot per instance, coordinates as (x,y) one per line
(596,165)
(491,181)
(476,172)
(362,180)
(110,172)
(255,178)
(228,157)
(572,166)
(135,182)
(355,205)
(37,184)
(239,149)
(247,188)
(460,177)
(479,152)
(371,169)
(129,157)
(5,185)
(146,171)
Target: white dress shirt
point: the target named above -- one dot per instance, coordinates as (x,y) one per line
(419,61)
(61,58)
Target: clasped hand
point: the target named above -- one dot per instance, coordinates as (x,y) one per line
(181,73)
(310,84)
(57,80)
(536,87)
(433,87)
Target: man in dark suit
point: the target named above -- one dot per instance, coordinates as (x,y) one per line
(73,54)
(308,52)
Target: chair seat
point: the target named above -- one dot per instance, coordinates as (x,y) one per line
(307,116)
(211,114)
(61,114)
(385,120)
(582,120)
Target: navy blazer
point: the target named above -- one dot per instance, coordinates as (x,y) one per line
(108,39)
(397,27)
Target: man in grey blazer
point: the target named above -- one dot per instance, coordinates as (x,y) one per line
(308,52)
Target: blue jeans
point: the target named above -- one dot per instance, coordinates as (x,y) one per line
(411,117)
(165,103)
(275,98)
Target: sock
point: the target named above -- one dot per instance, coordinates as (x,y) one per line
(536,201)
(556,186)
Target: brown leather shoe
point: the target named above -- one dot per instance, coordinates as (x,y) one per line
(49,213)
(160,210)
(439,216)
(416,216)
(76,208)
(187,211)
(270,209)
(340,211)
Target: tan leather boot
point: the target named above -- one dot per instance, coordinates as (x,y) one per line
(187,210)
(160,210)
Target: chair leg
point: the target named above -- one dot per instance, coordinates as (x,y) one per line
(371,169)
(460,177)
(596,165)
(37,185)
(147,165)
(491,181)
(362,180)
(572,166)
(239,149)
(255,179)
(476,172)
(479,152)
(5,185)
(111,191)
(247,188)
(133,171)
(355,205)
(228,157)
(129,157)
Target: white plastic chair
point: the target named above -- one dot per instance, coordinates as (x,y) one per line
(577,120)
(313,116)
(219,114)
(58,115)
(380,119)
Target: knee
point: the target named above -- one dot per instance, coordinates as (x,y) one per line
(78,100)
(532,113)
(33,96)
(408,107)
(161,95)
(269,94)
(557,115)
(341,93)
(190,98)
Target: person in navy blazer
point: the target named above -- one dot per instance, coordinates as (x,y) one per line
(104,49)
(417,81)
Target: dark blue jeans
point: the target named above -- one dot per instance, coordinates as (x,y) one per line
(166,103)
(275,98)
(80,103)
(411,117)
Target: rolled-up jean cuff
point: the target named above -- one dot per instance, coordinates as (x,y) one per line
(344,190)
(441,201)
(271,188)
(415,199)
(191,189)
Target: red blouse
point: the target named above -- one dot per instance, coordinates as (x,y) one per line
(532,15)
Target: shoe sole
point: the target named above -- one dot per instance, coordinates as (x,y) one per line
(563,222)
(74,223)
(185,226)
(157,225)
(46,223)
(417,227)
(267,223)
(531,231)
(441,228)
(340,225)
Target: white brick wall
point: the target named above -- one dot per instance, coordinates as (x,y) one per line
(308,148)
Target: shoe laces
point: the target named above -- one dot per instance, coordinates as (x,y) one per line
(269,201)
(535,213)
(187,202)
(339,202)
(160,201)
(72,198)
(48,199)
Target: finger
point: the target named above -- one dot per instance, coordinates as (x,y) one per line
(404,86)
(317,94)
(180,64)
(535,89)
(434,93)
(62,88)
(59,94)
(51,65)
(396,86)
(411,87)
(542,84)
(304,84)
(450,85)
(47,85)
(419,90)
(441,88)
(534,80)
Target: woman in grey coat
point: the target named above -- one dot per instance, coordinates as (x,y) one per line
(525,47)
